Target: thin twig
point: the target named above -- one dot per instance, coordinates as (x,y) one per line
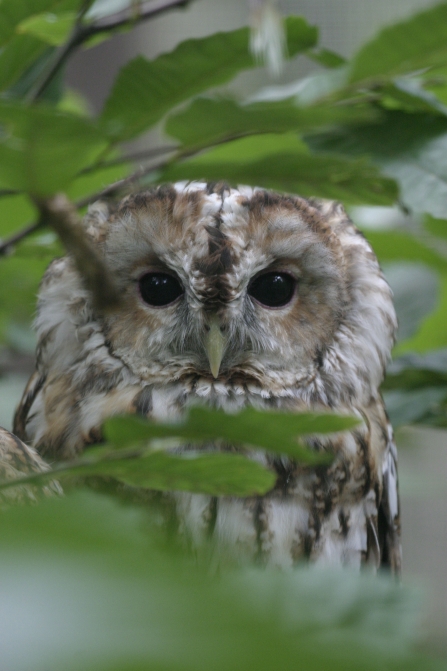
(82,32)
(146,10)
(8,192)
(17,237)
(59,57)
(113,188)
(143,155)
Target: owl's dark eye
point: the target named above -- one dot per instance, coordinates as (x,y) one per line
(274,290)
(159,289)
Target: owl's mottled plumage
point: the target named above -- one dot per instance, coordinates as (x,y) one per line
(326,349)
(18,460)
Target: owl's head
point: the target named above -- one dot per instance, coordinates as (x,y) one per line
(245,287)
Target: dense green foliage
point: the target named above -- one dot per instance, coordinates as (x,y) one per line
(369,132)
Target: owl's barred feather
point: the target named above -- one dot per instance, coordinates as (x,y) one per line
(16,461)
(326,347)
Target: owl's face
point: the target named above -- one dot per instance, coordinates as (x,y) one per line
(242,285)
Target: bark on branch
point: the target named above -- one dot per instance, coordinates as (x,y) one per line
(60,213)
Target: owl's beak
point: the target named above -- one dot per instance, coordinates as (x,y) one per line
(215,342)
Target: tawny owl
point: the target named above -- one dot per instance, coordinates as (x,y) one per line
(232,298)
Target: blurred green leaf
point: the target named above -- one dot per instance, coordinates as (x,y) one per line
(413,44)
(28,77)
(20,276)
(216,474)
(48,27)
(326,57)
(207,121)
(282,163)
(274,431)
(35,146)
(73,102)
(17,57)
(145,90)
(13,12)
(408,407)
(20,51)
(435,226)
(15,212)
(432,333)
(398,245)
(411,148)
(415,295)
(408,94)
(83,574)
(96,179)
(413,371)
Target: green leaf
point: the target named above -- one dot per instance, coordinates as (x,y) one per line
(413,44)
(14,12)
(36,145)
(48,27)
(408,94)
(411,148)
(94,180)
(85,574)
(414,371)
(208,121)
(20,278)
(274,431)
(20,50)
(17,56)
(327,58)
(145,90)
(415,295)
(435,226)
(410,407)
(398,245)
(432,333)
(216,474)
(15,212)
(282,163)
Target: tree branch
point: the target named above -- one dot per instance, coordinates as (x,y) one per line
(17,237)
(146,10)
(59,213)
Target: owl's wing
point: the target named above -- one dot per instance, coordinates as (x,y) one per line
(389,509)
(16,461)
(23,413)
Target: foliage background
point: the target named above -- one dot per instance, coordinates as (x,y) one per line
(407,143)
